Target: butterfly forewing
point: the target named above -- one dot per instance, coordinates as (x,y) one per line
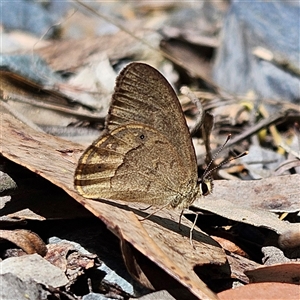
(142,95)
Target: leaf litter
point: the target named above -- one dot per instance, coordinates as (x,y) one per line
(156,248)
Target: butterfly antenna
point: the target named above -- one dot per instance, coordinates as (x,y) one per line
(207,172)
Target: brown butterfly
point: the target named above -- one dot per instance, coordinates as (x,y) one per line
(146,153)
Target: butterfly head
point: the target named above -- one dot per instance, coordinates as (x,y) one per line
(206,186)
(206,182)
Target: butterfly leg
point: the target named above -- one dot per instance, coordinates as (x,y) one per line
(143,209)
(180,218)
(191,230)
(161,208)
(192,227)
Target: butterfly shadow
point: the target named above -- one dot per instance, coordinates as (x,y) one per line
(166,220)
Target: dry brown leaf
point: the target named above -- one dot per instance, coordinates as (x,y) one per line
(158,237)
(39,104)
(197,61)
(164,245)
(26,240)
(62,254)
(287,165)
(72,262)
(64,55)
(290,239)
(288,273)
(238,264)
(259,291)
(230,246)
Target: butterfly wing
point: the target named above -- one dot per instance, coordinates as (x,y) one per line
(135,163)
(143,96)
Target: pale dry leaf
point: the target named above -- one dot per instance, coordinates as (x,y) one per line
(22,41)
(64,55)
(233,114)
(276,194)
(93,84)
(26,214)
(48,108)
(252,216)
(253,201)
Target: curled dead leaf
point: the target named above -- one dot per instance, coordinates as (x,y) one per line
(230,246)
(28,241)
(287,272)
(289,239)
